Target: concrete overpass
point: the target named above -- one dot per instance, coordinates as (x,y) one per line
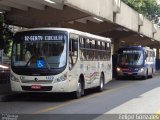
(110,18)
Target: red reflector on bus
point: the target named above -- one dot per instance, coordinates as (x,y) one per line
(36,87)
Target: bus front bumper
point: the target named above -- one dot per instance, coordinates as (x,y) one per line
(131,74)
(55,87)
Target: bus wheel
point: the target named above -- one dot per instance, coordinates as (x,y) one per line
(80,90)
(100,88)
(152,73)
(146,76)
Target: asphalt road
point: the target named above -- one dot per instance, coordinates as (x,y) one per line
(119,97)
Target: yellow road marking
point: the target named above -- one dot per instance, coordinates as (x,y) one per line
(52,108)
(81,99)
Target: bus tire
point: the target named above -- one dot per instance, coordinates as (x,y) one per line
(80,90)
(100,88)
(146,75)
(152,73)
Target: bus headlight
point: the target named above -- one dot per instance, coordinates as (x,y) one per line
(13,78)
(118,69)
(61,78)
(141,70)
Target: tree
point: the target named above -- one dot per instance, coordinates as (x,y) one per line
(6,35)
(148,8)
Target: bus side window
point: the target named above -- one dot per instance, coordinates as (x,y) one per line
(81,46)
(73,52)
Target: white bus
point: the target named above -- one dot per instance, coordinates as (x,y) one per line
(59,60)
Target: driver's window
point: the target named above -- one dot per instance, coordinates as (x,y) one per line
(73,50)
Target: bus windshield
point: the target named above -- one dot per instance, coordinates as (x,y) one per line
(131,58)
(40,51)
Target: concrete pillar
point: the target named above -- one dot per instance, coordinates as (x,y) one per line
(116,45)
(158,53)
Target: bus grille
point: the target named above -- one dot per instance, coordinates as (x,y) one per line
(133,74)
(37,82)
(43,88)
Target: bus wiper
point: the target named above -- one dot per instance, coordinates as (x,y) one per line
(47,65)
(28,61)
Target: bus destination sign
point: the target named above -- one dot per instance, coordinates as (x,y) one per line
(132,51)
(34,38)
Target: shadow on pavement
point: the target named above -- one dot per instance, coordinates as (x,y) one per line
(43,97)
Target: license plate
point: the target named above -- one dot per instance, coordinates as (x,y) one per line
(36,87)
(129,73)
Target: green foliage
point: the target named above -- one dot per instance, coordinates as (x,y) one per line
(148,8)
(5,35)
